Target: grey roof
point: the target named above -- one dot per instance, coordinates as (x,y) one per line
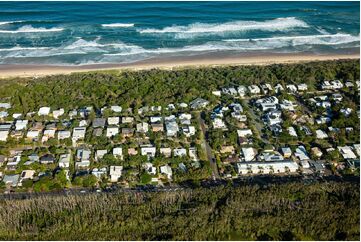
(11,179)
(98,122)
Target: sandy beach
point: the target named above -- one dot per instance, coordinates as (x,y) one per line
(7,71)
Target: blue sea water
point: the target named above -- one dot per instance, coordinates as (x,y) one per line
(76,33)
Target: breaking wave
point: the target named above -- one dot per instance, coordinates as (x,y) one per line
(31,29)
(117,25)
(279,24)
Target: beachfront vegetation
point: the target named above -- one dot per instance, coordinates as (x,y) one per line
(292,211)
(160,87)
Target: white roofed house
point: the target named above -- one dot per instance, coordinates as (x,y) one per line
(112,131)
(26,175)
(279,88)
(33,134)
(127,120)
(303,156)
(302,87)
(64,160)
(48,134)
(320,134)
(21,124)
(267,103)
(148,151)
(5,105)
(142,127)
(58,113)
(82,158)
(118,152)
(189,131)
(291,88)
(179,152)
(346,152)
(100,154)
(292,131)
(248,154)
(116,109)
(219,124)
(149,168)
(172,128)
(166,152)
(193,154)
(4,135)
(274,117)
(198,103)
(113,120)
(244,132)
(64,134)
(254,89)
(115,172)
(242,91)
(166,170)
(78,133)
(43,111)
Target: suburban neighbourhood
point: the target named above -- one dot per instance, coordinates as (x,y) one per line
(248,131)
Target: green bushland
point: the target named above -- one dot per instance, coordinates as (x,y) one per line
(292,211)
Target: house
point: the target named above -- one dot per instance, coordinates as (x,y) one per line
(227,149)
(291,88)
(113,121)
(33,134)
(166,152)
(301,153)
(320,134)
(3,114)
(148,151)
(254,89)
(349,84)
(240,117)
(316,152)
(230,91)
(5,105)
(219,124)
(248,154)
(244,132)
(288,105)
(274,117)
(127,120)
(100,154)
(116,109)
(82,158)
(58,113)
(47,159)
(267,103)
(322,120)
(346,152)
(216,93)
(4,135)
(271,156)
(189,131)
(112,131)
(337,97)
(48,134)
(132,151)
(63,134)
(156,119)
(21,124)
(11,180)
(64,160)
(172,128)
(98,122)
(346,111)
(279,88)
(127,132)
(286,152)
(198,103)
(335,84)
(149,168)
(118,152)
(302,87)
(142,127)
(99,172)
(242,91)
(43,111)
(357,148)
(26,175)
(179,152)
(292,131)
(157,127)
(267,167)
(166,170)
(79,133)
(115,172)
(193,153)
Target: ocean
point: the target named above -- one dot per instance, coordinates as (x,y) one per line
(80,33)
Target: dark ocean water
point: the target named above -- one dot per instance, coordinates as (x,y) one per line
(74,33)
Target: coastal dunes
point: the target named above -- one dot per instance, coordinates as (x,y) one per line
(206,60)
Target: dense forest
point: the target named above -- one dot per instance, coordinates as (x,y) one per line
(291,211)
(137,88)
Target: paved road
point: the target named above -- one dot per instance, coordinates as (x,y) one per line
(256,123)
(207,148)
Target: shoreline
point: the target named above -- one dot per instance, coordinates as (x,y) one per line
(169,63)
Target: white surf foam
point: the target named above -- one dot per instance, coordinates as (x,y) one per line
(117,25)
(11,22)
(31,29)
(279,24)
